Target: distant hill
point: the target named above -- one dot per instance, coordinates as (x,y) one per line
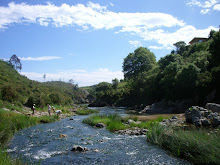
(19,90)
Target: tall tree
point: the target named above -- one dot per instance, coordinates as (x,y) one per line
(180,47)
(15,62)
(139,61)
(115,83)
(44,76)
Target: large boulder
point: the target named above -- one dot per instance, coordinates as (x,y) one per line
(167,107)
(193,114)
(213,107)
(200,116)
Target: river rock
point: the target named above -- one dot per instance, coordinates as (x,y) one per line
(213,107)
(135,131)
(79,148)
(63,135)
(173,121)
(100,125)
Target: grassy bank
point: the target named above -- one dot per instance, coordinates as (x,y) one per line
(12,122)
(115,122)
(86,111)
(199,146)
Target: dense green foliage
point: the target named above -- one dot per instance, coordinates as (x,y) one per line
(19,90)
(141,60)
(196,146)
(190,72)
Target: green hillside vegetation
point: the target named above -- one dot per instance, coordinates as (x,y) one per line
(189,72)
(19,90)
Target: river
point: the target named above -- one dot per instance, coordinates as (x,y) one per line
(42,144)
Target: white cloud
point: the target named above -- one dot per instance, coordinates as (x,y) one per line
(43,58)
(206,5)
(204,11)
(161,47)
(217,7)
(111,4)
(135,43)
(93,15)
(167,39)
(82,77)
(148,26)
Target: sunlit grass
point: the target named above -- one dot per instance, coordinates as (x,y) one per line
(198,146)
(86,111)
(115,122)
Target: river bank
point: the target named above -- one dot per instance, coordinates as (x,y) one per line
(43,143)
(14,120)
(182,138)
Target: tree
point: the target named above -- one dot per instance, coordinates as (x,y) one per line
(139,61)
(71,81)
(180,47)
(44,76)
(15,62)
(115,83)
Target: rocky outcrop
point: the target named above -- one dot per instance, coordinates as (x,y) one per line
(79,148)
(200,116)
(166,107)
(213,107)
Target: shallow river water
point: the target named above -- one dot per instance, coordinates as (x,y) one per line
(42,144)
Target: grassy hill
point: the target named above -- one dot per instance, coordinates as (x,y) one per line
(19,90)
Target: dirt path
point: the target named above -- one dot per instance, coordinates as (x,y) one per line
(152,117)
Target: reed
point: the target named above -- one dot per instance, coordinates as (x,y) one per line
(199,146)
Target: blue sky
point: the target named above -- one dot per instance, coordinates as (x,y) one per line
(87,40)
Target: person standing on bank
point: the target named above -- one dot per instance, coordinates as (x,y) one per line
(49,108)
(33,109)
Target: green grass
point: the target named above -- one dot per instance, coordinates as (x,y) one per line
(86,111)
(115,122)
(197,146)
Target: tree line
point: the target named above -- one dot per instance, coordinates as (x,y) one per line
(189,72)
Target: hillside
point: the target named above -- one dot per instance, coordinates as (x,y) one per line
(189,75)
(19,90)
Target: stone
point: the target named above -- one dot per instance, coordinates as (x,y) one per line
(197,122)
(174,117)
(216,121)
(100,125)
(213,107)
(205,122)
(192,114)
(130,121)
(71,118)
(63,135)
(79,148)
